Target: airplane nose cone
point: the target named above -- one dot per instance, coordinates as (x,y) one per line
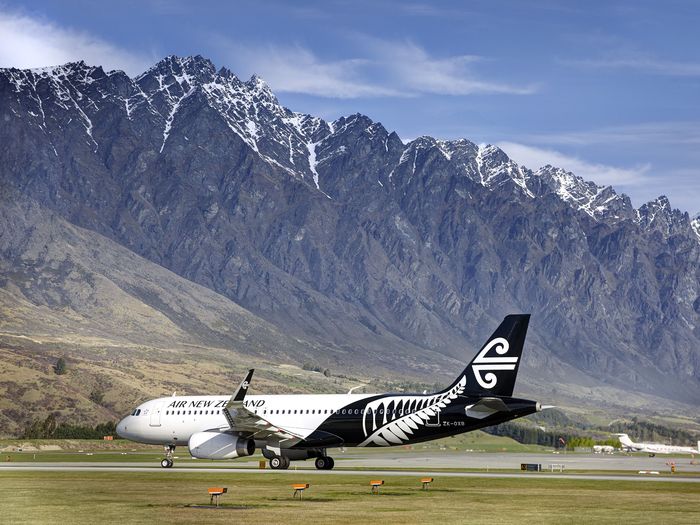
(122,429)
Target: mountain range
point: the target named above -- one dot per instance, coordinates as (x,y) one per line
(186,209)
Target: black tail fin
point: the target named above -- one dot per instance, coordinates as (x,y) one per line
(493,370)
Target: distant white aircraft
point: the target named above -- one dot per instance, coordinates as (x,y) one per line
(603,449)
(655,448)
(299,427)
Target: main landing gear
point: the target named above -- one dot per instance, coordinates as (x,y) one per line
(279,463)
(324,463)
(167,461)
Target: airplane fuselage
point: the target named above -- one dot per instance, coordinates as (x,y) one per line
(654,448)
(355,419)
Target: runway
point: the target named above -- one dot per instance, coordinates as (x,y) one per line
(405,463)
(486,461)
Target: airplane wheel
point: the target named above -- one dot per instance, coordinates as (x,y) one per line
(325,463)
(166,463)
(286,463)
(276,462)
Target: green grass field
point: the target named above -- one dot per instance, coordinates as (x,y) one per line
(169,497)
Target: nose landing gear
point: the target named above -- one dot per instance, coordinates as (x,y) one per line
(167,461)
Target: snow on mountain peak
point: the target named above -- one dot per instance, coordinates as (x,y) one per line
(695,224)
(190,66)
(659,215)
(290,141)
(597,201)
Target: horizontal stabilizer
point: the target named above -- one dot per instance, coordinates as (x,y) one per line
(485,407)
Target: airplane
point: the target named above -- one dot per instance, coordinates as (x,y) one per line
(298,427)
(655,448)
(603,449)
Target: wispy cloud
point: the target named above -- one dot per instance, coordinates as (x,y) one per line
(427,9)
(640,63)
(385,69)
(27,42)
(672,132)
(295,69)
(534,158)
(409,65)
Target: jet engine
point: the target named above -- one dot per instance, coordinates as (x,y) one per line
(219,445)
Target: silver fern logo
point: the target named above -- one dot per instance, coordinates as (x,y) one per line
(392,420)
(490,364)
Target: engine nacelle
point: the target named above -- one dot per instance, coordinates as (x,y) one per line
(219,445)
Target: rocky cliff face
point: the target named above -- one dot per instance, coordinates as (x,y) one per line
(376,250)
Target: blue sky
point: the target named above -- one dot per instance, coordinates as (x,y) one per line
(609,89)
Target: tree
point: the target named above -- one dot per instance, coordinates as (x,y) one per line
(48,428)
(97,396)
(60,366)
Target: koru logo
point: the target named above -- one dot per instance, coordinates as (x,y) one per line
(489,364)
(244,385)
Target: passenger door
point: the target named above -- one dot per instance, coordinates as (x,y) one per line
(155,415)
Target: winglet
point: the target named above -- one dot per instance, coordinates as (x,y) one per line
(236,400)
(242,389)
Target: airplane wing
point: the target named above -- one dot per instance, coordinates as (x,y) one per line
(485,407)
(242,420)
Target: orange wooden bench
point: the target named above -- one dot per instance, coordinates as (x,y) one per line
(375,484)
(215,492)
(426,483)
(299,488)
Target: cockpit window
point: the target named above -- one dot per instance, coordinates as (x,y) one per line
(136,412)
